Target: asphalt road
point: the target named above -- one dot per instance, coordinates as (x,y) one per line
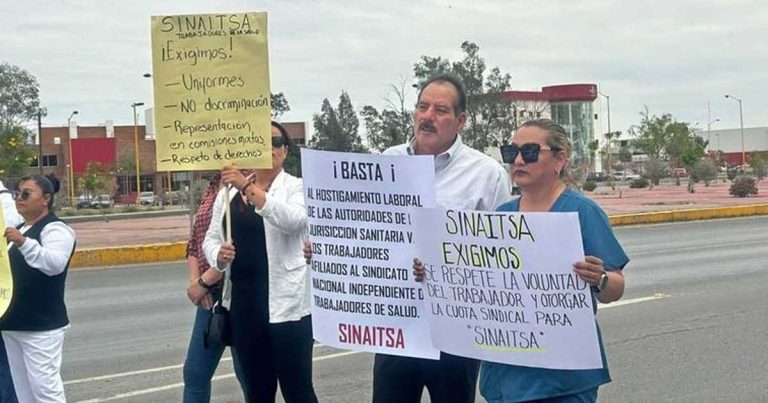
(692,326)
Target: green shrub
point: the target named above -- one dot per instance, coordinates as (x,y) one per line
(639,183)
(130,208)
(589,185)
(743,186)
(732,173)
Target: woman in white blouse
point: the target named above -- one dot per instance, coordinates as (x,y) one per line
(269,310)
(33,327)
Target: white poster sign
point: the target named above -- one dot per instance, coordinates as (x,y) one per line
(500,287)
(364,296)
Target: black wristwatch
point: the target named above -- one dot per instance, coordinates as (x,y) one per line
(602,283)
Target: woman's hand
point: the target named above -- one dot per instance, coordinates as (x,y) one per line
(226,254)
(418,270)
(195,292)
(232,176)
(590,270)
(13,235)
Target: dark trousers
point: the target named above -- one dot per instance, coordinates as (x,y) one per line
(451,379)
(271,352)
(7,392)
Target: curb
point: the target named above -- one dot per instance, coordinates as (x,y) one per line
(689,215)
(123,216)
(175,251)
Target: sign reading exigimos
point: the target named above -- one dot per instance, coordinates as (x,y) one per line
(211,83)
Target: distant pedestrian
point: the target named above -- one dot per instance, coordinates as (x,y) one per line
(33,328)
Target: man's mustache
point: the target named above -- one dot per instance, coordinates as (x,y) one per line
(428,127)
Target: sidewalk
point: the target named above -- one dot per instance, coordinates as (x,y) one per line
(145,231)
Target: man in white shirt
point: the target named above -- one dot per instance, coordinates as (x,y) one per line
(465,179)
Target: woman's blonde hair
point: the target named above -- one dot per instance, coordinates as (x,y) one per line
(558,139)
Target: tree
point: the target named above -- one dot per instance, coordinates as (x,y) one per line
(393,125)
(654,169)
(95,179)
(15,155)
(692,149)
(337,129)
(489,122)
(704,170)
(19,96)
(757,163)
(663,137)
(279,105)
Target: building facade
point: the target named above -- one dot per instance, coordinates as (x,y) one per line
(65,149)
(570,105)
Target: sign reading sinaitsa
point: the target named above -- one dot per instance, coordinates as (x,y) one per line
(500,287)
(211,85)
(363,294)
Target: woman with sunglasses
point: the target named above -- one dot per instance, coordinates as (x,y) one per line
(269,310)
(33,327)
(539,156)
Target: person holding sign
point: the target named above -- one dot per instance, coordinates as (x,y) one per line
(33,327)
(465,179)
(202,357)
(12,219)
(270,307)
(538,156)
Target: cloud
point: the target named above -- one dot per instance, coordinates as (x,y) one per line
(89,54)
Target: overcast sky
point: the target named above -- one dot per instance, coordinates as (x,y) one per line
(672,56)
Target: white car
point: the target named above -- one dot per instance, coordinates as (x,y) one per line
(147,198)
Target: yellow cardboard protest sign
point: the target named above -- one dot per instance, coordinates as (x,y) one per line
(6,279)
(211,84)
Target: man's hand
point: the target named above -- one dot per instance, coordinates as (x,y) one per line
(307,251)
(418,270)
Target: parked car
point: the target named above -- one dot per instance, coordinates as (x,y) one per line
(103,201)
(597,176)
(83,201)
(679,173)
(624,176)
(147,198)
(174,197)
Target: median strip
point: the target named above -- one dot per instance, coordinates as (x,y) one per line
(175,251)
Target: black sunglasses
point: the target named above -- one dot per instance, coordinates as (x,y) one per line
(278,142)
(529,152)
(23,195)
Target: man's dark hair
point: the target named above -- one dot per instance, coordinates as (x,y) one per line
(461,103)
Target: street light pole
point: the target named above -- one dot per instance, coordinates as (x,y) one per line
(136,149)
(741,120)
(70,174)
(609,135)
(709,130)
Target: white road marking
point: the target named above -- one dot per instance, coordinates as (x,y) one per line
(181,384)
(144,371)
(162,388)
(632,301)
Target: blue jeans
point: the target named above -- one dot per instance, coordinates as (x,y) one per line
(201,362)
(7,392)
